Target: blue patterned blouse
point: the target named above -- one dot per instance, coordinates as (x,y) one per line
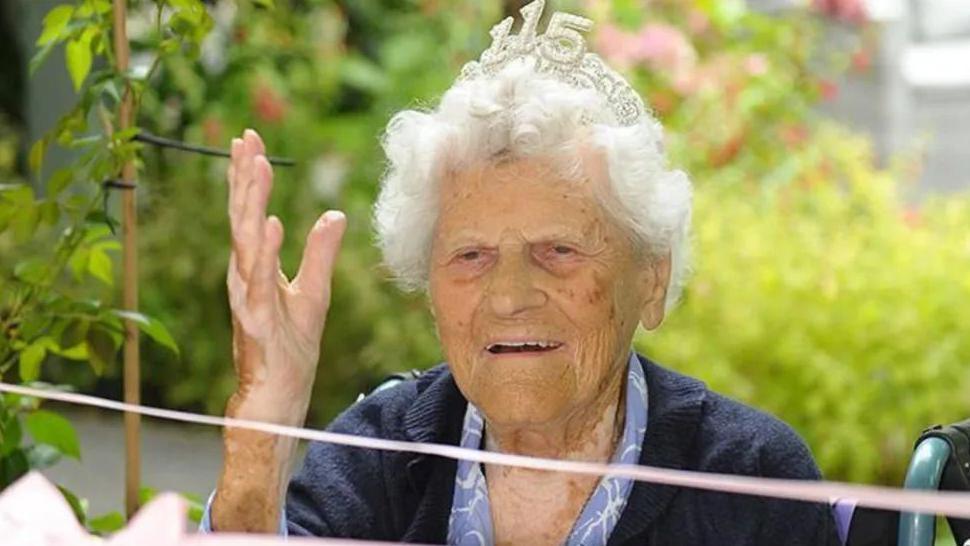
(470,523)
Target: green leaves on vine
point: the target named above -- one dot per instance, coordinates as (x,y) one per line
(83,29)
(49,428)
(78,55)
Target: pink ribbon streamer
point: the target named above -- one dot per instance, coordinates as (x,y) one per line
(888,498)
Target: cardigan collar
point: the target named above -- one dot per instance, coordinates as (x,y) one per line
(675,408)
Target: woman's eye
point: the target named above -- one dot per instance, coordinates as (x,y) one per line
(558,254)
(470,255)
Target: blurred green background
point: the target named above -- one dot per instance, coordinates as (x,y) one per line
(823,291)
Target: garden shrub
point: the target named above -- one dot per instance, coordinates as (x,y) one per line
(833,304)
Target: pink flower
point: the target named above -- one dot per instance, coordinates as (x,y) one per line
(665,47)
(659,45)
(828,90)
(850,11)
(270,107)
(617,45)
(861,60)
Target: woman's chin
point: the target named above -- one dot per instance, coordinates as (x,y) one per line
(508,401)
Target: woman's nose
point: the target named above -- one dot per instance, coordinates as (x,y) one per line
(512,290)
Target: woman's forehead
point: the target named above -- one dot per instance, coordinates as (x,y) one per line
(527,199)
(516,179)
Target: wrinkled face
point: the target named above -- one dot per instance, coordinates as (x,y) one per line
(536,291)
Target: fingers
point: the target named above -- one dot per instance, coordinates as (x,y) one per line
(266,269)
(256,140)
(251,223)
(319,256)
(252,146)
(250,182)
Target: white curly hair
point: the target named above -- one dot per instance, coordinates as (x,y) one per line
(518,113)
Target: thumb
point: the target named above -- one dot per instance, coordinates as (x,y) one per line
(319,256)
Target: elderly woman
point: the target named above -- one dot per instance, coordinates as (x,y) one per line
(535,207)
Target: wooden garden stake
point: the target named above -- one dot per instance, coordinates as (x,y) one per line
(129,223)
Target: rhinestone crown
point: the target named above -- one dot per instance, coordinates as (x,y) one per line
(561,53)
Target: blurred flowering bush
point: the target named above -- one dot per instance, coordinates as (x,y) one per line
(818,296)
(832,304)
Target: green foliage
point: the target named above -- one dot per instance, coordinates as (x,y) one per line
(56,292)
(819,294)
(195,505)
(831,303)
(107,523)
(51,429)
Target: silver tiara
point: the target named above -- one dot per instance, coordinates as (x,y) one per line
(561,53)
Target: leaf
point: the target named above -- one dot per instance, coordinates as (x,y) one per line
(31,270)
(78,57)
(102,350)
(30,361)
(125,135)
(54,24)
(196,507)
(107,245)
(77,352)
(151,327)
(112,90)
(47,427)
(41,456)
(107,523)
(78,262)
(24,223)
(75,332)
(101,6)
(39,57)
(10,435)
(78,506)
(12,467)
(268,4)
(17,194)
(49,212)
(100,266)
(58,181)
(33,326)
(105,221)
(35,159)
(146,494)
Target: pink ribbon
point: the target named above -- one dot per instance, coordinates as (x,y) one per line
(888,498)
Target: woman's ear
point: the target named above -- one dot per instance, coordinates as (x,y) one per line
(656,278)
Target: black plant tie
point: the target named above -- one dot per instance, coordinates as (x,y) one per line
(108,185)
(162,142)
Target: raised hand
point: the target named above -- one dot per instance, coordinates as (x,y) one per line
(277,323)
(276,329)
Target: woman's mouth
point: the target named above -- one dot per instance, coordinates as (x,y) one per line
(525,347)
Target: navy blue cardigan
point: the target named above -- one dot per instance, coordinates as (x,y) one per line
(377,495)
